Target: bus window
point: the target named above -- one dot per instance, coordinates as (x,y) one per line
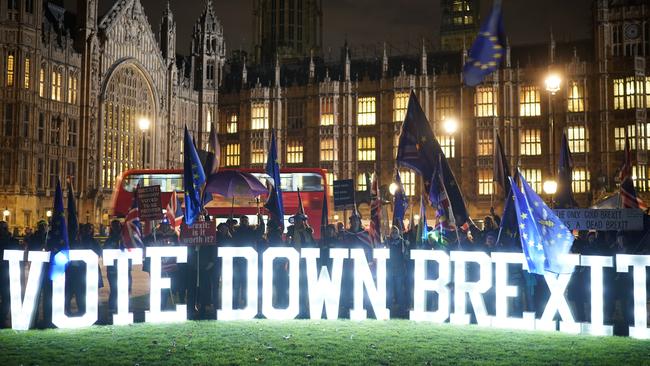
(167,182)
(291,182)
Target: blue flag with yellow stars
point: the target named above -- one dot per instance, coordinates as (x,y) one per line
(274,203)
(545,240)
(193,179)
(401,203)
(488,49)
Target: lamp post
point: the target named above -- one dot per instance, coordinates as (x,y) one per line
(552,83)
(144,123)
(550,188)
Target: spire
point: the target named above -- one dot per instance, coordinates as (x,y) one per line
(423,59)
(277,71)
(347,64)
(244,74)
(384,62)
(551,51)
(508,63)
(312,66)
(168,9)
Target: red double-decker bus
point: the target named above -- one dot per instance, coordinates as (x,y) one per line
(311,182)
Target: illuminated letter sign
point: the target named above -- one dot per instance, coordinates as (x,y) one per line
(503,291)
(639,264)
(475,290)
(596,264)
(422,285)
(363,278)
(59,318)
(22,312)
(155,314)
(227,312)
(293,309)
(324,291)
(110,256)
(557,284)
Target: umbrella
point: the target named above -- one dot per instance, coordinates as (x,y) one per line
(231,183)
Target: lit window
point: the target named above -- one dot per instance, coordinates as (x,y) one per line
(328,149)
(10,69)
(366,111)
(362,184)
(257,152)
(484,141)
(294,152)
(619,138)
(366,149)
(41,82)
(27,73)
(619,94)
(444,106)
(628,93)
(647,91)
(640,178)
(260,116)
(485,102)
(232,123)
(531,142)
(72,89)
(327,111)
(576,98)
(400,104)
(580,181)
(448,145)
(578,139)
(529,101)
(331,177)
(56,85)
(534,178)
(485,185)
(408,182)
(232,155)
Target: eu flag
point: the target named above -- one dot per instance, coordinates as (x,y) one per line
(419,150)
(193,179)
(488,49)
(274,203)
(401,203)
(423,230)
(57,238)
(544,238)
(565,177)
(73,222)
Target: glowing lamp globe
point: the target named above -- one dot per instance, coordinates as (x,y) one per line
(393,188)
(450,125)
(550,187)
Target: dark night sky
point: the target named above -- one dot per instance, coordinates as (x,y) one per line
(370,22)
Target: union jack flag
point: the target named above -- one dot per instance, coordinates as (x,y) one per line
(174,213)
(132,229)
(629,199)
(375,212)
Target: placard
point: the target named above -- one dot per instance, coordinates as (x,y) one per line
(149,203)
(601,220)
(344,194)
(201,233)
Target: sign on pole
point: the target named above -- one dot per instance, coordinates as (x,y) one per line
(344,194)
(201,233)
(149,203)
(602,220)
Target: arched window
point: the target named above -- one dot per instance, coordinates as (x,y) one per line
(128,99)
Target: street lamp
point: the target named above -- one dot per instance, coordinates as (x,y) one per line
(550,187)
(5,214)
(552,83)
(450,125)
(393,188)
(143,124)
(336,217)
(48,213)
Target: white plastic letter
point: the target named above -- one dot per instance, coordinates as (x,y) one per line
(323,290)
(557,284)
(155,313)
(293,309)
(109,257)
(596,264)
(363,278)
(227,312)
(639,263)
(22,311)
(475,290)
(59,318)
(503,291)
(422,285)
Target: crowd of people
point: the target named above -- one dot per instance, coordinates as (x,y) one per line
(197,283)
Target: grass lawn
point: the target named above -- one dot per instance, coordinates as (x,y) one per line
(312,342)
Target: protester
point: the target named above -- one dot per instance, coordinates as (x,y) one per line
(244,235)
(397,278)
(114,241)
(7,242)
(299,236)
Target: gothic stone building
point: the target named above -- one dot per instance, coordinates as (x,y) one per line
(74,89)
